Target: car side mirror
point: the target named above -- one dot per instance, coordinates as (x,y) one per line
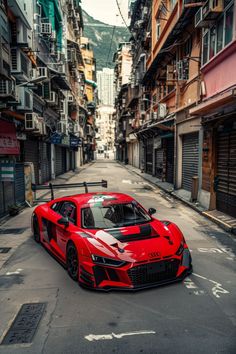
(152,211)
(63,221)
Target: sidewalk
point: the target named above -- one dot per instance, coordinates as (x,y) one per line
(14,231)
(224,221)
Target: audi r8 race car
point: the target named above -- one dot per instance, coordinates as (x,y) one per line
(108,240)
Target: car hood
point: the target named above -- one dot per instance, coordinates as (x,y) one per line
(136,243)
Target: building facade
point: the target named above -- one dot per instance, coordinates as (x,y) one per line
(183,117)
(43,103)
(105,81)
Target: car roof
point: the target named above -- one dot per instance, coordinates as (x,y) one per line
(87,198)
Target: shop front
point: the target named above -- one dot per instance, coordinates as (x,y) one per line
(12,187)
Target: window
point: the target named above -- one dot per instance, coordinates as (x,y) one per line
(158,28)
(113,215)
(68,210)
(219,35)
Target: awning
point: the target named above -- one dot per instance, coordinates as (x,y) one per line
(60,79)
(213,104)
(165,125)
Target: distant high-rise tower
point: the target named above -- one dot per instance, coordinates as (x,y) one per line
(105,82)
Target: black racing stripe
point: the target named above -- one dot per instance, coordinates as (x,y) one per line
(145,230)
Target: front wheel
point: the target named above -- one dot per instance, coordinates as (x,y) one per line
(36,229)
(72,262)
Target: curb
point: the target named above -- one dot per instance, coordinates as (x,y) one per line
(226,227)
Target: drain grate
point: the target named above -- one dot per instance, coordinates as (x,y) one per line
(25,324)
(5,249)
(17,231)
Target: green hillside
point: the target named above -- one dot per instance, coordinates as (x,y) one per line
(100,35)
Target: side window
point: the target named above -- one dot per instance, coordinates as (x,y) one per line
(68,210)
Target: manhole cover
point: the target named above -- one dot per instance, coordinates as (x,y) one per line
(17,231)
(25,324)
(4,249)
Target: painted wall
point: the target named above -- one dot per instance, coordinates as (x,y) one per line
(221,67)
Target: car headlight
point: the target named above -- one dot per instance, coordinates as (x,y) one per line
(107,261)
(180,249)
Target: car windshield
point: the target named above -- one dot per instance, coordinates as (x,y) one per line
(112,216)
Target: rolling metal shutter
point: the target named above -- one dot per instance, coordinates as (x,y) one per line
(31,151)
(159,162)
(226,172)
(58,161)
(170,160)
(64,160)
(190,159)
(72,160)
(45,162)
(19,183)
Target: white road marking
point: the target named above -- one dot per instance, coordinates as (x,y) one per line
(16,272)
(217,288)
(92,337)
(221,250)
(191,285)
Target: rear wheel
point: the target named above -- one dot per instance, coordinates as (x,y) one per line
(36,229)
(72,261)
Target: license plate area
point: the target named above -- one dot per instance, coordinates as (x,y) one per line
(156,268)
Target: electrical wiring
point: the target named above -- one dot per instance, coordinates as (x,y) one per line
(118,5)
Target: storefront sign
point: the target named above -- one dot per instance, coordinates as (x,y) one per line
(56,139)
(7,171)
(65,140)
(8,141)
(75,141)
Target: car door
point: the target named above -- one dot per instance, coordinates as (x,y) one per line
(67,210)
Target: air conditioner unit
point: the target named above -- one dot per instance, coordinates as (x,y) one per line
(20,63)
(212,9)
(42,126)
(182,69)
(76,128)
(71,55)
(154,116)
(34,73)
(53,99)
(31,121)
(46,28)
(25,99)
(162,111)
(62,127)
(23,34)
(63,117)
(7,88)
(70,98)
(43,71)
(53,36)
(62,106)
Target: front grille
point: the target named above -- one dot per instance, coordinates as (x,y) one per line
(153,272)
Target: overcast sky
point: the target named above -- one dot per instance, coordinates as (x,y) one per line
(106,10)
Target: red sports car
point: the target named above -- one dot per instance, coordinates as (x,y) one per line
(108,240)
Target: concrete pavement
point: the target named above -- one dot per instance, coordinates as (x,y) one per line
(197,315)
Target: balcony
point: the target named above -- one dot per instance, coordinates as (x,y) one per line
(133,95)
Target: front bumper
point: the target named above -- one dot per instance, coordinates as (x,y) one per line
(137,276)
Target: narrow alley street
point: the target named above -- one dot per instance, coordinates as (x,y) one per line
(199,312)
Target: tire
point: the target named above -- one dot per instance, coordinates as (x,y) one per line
(36,229)
(72,261)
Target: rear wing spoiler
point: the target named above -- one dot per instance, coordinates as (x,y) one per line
(52,187)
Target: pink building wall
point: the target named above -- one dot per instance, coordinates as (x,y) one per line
(220,73)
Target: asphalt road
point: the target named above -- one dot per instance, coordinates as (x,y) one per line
(194,316)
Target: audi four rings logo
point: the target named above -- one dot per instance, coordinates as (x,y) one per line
(154,254)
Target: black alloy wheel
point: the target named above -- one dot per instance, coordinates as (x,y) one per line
(36,229)
(72,262)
